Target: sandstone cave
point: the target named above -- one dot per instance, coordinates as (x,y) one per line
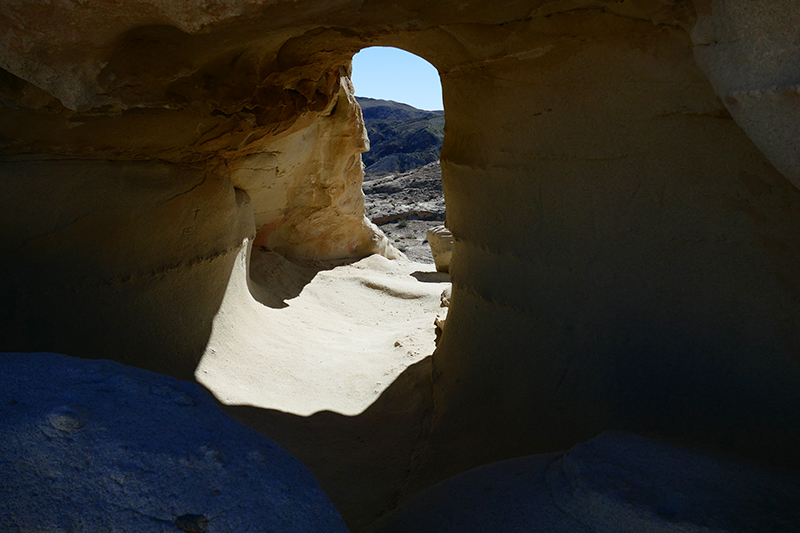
(622,188)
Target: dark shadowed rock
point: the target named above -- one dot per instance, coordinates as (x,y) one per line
(89,446)
(614,483)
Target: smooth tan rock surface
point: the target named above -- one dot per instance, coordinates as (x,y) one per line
(131,257)
(441,243)
(621,253)
(320,339)
(335,366)
(306,191)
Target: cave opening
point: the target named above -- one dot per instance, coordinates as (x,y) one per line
(324,338)
(316,252)
(622,257)
(400,96)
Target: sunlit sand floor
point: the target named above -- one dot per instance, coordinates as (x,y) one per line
(303,340)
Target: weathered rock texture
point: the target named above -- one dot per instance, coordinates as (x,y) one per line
(750,52)
(97,446)
(625,253)
(306,190)
(615,482)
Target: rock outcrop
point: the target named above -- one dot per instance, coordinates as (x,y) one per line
(441,241)
(750,53)
(96,446)
(620,176)
(130,258)
(306,190)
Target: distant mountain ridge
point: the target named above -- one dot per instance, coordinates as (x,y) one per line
(401,137)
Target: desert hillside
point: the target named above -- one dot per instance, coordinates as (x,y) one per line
(401,137)
(403,176)
(405,206)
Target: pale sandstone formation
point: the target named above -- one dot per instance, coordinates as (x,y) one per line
(321,339)
(96,446)
(127,257)
(335,367)
(441,242)
(306,190)
(624,252)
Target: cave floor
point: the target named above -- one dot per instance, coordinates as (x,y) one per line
(322,340)
(332,363)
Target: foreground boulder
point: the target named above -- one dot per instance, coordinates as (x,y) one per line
(97,446)
(616,482)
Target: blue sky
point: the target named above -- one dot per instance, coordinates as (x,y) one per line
(393,74)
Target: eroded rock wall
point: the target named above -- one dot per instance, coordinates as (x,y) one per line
(750,52)
(124,257)
(623,251)
(140,149)
(306,191)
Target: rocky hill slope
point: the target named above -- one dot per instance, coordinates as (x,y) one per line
(415,194)
(401,137)
(406,205)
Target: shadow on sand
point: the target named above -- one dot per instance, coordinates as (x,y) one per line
(273,279)
(365,463)
(431,277)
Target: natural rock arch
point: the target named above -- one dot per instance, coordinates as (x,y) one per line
(624,252)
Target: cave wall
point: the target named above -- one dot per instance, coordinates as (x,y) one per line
(625,238)
(624,253)
(116,259)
